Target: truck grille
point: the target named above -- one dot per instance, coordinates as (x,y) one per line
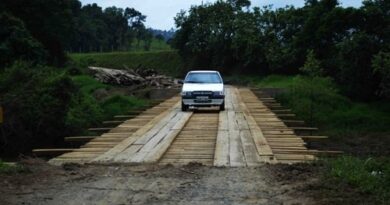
(202,93)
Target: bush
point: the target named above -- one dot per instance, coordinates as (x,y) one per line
(42,105)
(35,100)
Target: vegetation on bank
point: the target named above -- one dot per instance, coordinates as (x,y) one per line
(11,168)
(42,105)
(358,128)
(167,62)
(370,175)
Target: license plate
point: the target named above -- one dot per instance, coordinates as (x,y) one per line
(202,97)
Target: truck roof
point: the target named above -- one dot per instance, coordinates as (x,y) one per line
(203,71)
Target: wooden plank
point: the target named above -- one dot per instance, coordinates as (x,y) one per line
(305,128)
(252,157)
(100,129)
(221,156)
(113,122)
(162,147)
(313,137)
(237,158)
(260,141)
(153,137)
(111,154)
(50,152)
(80,138)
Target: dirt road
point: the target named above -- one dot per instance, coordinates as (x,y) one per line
(191,184)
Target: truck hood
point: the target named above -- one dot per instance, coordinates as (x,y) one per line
(189,87)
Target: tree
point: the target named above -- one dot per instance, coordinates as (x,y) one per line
(50,22)
(16,42)
(312,66)
(381,66)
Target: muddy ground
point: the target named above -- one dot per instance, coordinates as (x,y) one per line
(191,184)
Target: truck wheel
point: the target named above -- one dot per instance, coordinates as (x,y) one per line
(222,106)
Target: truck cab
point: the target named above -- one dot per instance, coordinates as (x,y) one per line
(203,89)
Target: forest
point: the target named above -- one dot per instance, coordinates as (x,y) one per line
(351,45)
(43,31)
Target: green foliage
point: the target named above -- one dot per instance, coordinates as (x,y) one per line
(10,169)
(312,66)
(36,100)
(266,40)
(381,65)
(16,42)
(318,100)
(67,25)
(355,74)
(88,84)
(167,62)
(369,175)
(117,104)
(84,111)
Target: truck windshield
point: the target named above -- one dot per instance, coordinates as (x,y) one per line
(203,78)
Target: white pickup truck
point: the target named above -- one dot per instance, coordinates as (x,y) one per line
(203,89)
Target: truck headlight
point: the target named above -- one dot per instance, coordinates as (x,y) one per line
(218,93)
(186,93)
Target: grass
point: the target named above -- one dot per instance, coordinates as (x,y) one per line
(119,104)
(88,110)
(6,168)
(88,84)
(156,45)
(112,105)
(371,176)
(166,62)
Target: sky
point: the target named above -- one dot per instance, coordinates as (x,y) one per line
(160,13)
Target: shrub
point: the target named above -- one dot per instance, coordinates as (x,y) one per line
(36,100)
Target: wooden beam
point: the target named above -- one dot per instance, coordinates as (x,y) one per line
(100,129)
(304,128)
(124,116)
(113,122)
(79,138)
(313,137)
(50,152)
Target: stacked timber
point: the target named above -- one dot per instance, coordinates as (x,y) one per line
(129,77)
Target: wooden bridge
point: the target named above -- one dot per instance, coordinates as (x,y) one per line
(254,129)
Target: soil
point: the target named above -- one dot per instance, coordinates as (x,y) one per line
(360,145)
(190,184)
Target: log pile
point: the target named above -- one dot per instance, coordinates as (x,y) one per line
(145,77)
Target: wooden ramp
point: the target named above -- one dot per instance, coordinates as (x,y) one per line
(247,133)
